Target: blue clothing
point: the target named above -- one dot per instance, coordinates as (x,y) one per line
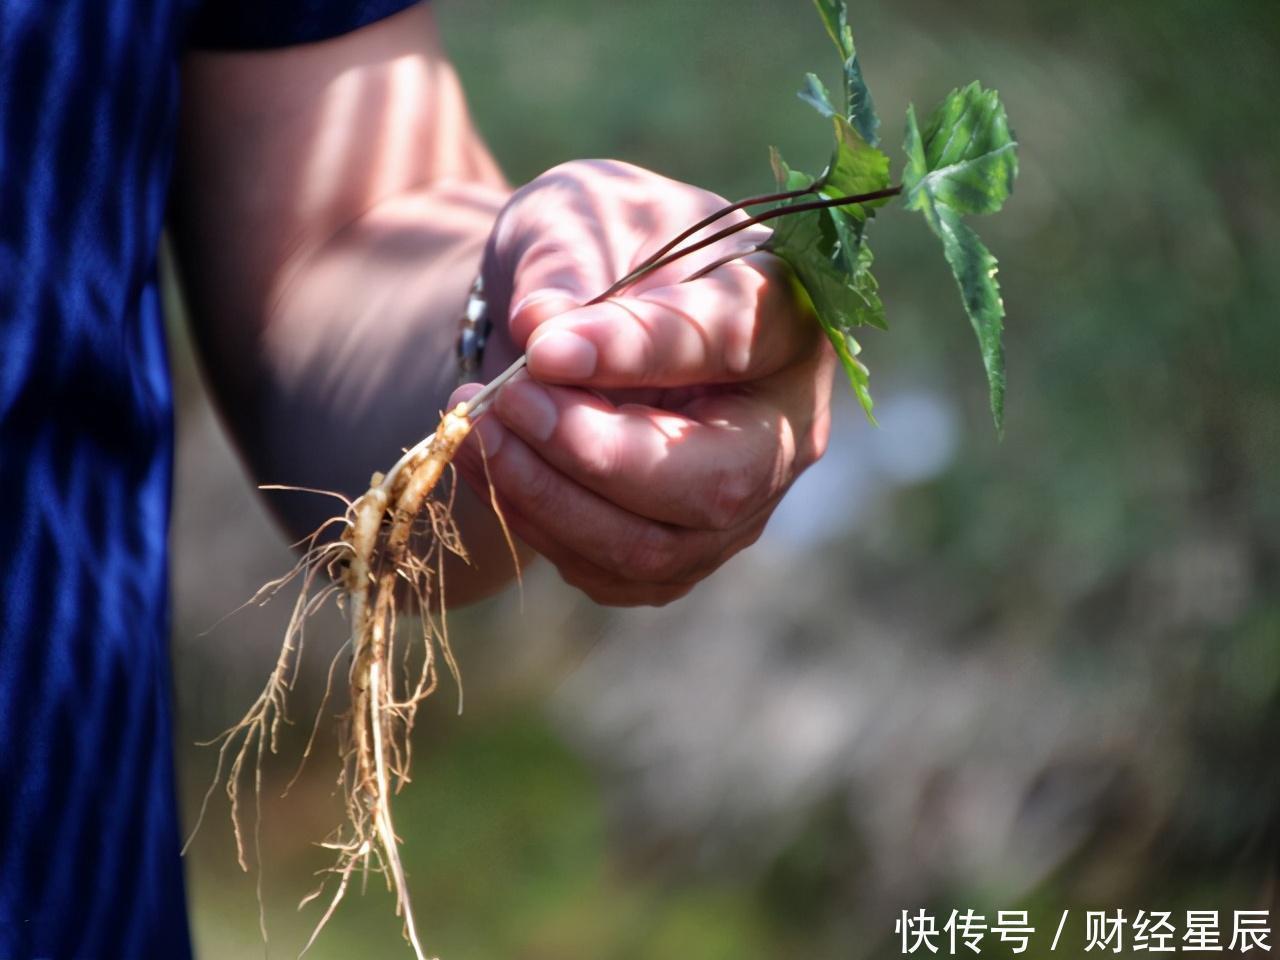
(89,835)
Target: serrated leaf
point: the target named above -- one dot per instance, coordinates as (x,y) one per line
(835,17)
(838,282)
(967,157)
(842,287)
(847,349)
(871,313)
(856,167)
(859,108)
(965,163)
(975,271)
(814,93)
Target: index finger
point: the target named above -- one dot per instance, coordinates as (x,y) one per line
(739,322)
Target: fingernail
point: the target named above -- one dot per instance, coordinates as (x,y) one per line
(529,409)
(490,432)
(562,355)
(463,394)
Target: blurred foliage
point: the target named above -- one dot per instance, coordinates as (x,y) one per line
(1125,535)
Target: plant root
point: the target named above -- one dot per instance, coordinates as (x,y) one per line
(388,559)
(388,562)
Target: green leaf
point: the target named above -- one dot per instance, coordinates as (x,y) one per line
(826,248)
(859,108)
(837,281)
(967,157)
(965,163)
(787,178)
(847,349)
(975,271)
(834,265)
(814,93)
(867,290)
(856,167)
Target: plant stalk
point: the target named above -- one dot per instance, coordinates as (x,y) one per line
(478,404)
(703,224)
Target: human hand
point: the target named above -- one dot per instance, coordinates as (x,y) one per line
(656,431)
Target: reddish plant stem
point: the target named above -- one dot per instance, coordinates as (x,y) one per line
(720,215)
(480,402)
(716,264)
(729,231)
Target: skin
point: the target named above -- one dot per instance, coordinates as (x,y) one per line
(332,204)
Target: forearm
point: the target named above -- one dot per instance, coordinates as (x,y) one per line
(333,201)
(327,262)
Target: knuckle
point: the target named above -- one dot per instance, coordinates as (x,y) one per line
(568,174)
(737,492)
(816,442)
(607,592)
(601,459)
(631,348)
(753,534)
(538,490)
(742,348)
(733,493)
(739,355)
(653,556)
(602,592)
(669,593)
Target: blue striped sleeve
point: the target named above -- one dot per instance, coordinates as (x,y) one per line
(263,24)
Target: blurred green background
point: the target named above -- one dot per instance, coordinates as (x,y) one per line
(956,673)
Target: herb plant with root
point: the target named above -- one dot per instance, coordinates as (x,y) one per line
(385,566)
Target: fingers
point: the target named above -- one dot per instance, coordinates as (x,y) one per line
(740,322)
(634,503)
(597,583)
(568,235)
(607,550)
(698,473)
(548,238)
(574,230)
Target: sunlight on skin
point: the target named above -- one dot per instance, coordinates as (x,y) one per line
(328,322)
(321,178)
(636,502)
(332,202)
(282,149)
(407,101)
(349,359)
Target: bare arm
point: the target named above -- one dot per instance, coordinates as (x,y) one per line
(331,205)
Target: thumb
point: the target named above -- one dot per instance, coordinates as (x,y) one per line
(536,308)
(549,251)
